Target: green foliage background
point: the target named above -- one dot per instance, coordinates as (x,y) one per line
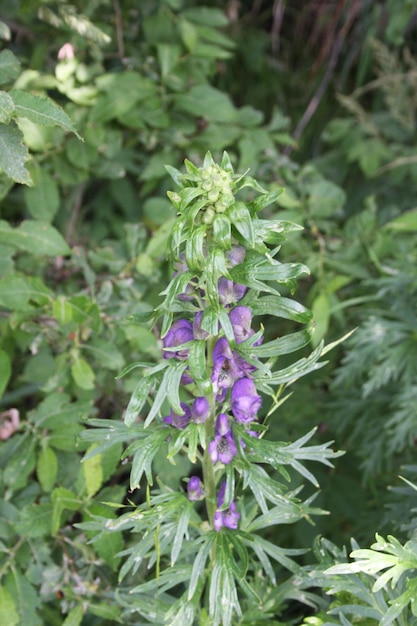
(96,98)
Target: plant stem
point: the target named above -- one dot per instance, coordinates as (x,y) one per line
(208,469)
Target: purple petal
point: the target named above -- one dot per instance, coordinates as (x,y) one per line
(200,410)
(195,489)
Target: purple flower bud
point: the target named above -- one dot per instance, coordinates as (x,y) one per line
(236,255)
(228,518)
(222,425)
(180,332)
(200,410)
(179,421)
(245,402)
(199,333)
(195,489)
(241,319)
(230,292)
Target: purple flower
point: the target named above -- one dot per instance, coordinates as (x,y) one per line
(179,421)
(195,489)
(223,447)
(230,292)
(199,333)
(180,332)
(236,255)
(228,518)
(226,365)
(200,410)
(245,402)
(241,319)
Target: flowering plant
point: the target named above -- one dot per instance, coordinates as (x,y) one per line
(210,563)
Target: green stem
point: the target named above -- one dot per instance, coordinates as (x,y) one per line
(208,469)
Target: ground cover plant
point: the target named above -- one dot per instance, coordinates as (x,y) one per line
(95,99)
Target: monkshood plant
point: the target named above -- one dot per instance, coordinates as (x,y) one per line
(201,555)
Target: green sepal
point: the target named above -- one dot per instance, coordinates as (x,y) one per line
(226,164)
(241,219)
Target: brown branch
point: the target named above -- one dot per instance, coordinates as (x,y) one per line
(119,29)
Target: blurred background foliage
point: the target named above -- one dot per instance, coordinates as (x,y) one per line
(319,97)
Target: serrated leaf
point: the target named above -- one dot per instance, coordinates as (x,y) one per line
(13,153)
(9,66)
(8,611)
(41,110)
(47,468)
(6,107)
(34,236)
(143,457)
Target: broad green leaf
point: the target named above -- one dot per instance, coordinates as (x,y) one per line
(222,231)
(5,371)
(34,520)
(74,617)
(34,236)
(62,310)
(9,66)
(62,500)
(93,472)
(407,222)
(207,102)
(206,16)
(41,110)
(16,291)
(13,153)
(26,597)
(8,611)
(42,200)
(82,373)
(6,107)
(47,468)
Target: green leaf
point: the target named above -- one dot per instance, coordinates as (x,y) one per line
(282,345)
(16,291)
(5,32)
(8,612)
(42,200)
(241,219)
(74,617)
(34,236)
(41,110)
(26,597)
(13,154)
(47,468)
(207,102)
(143,457)
(222,233)
(9,66)
(138,399)
(34,520)
(197,361)
(281,307)
(5,371)
(407,222)
(62,500)
(6,107)
(92,472)
(82,373)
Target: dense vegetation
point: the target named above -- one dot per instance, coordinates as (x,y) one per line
(96,98)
